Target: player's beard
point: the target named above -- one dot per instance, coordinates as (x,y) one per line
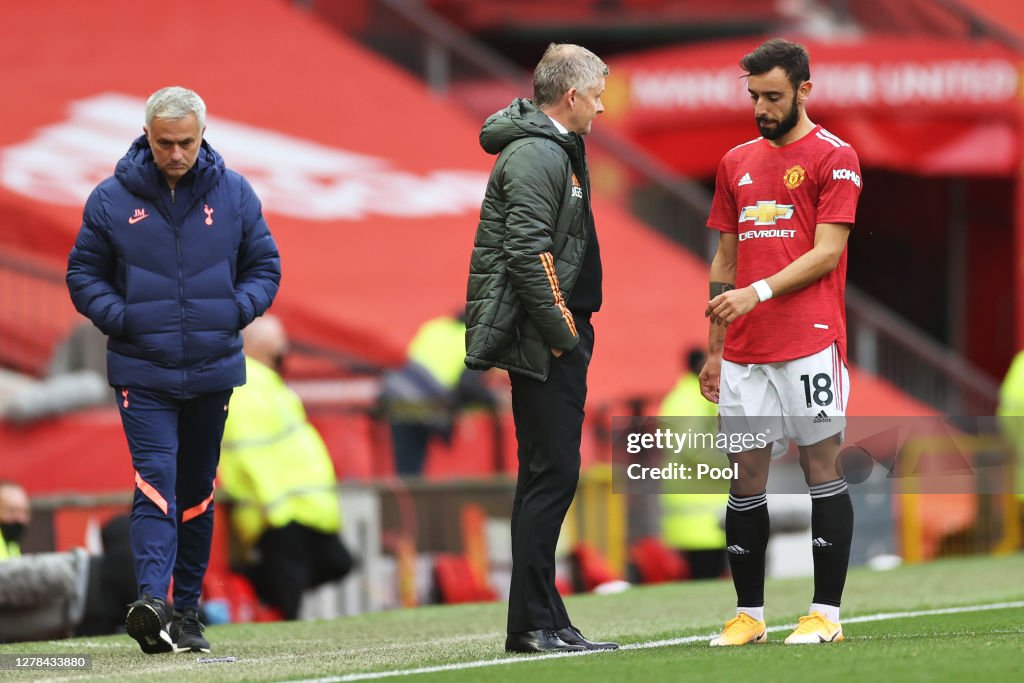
(782,127)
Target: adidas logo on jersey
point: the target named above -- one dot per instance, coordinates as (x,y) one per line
(745,180)
(821,417)
(738,550)
(820,542)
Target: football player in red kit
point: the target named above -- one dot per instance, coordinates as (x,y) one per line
(784,205)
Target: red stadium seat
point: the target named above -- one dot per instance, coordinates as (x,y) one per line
(656,563)
(456,582)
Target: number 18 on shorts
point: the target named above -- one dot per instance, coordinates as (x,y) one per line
(803,399)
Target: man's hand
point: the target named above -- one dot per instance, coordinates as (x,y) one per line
(728,306)
(710,375)
(557,353)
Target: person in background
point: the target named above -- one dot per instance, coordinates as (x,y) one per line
(15,514)
(276,470)
(692,523)
(421,399)
(172,260)
(112,582)
(1011,424)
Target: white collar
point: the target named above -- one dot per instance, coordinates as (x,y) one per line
(561,129)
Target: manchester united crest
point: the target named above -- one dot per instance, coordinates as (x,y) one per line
(793,176)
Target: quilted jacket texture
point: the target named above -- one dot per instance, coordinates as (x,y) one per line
(172,286)
(530,243)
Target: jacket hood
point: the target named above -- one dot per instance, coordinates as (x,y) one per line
(138,172)
(521,119)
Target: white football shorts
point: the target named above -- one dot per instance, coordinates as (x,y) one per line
(803,399)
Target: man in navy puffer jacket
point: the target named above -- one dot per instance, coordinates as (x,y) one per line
(172,260)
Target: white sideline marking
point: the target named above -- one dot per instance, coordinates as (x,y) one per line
(459,666)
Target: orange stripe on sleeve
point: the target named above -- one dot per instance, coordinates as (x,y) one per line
(552,276)
(548,261)
(149,491)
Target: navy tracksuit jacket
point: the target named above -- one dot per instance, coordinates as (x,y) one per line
(171,282)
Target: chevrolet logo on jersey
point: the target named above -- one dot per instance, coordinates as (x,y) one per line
(766,213)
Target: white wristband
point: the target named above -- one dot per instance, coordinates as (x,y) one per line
(764,292)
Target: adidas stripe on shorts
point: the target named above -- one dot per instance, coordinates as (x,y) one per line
(803,399)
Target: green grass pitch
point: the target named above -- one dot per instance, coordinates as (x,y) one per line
(984,646)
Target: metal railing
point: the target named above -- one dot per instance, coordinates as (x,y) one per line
(457,66)
(888,346)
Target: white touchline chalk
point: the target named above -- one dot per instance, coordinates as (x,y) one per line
(505,661)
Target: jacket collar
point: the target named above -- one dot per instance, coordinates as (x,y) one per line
(138,172)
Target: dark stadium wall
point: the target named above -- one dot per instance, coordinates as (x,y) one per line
(937,251)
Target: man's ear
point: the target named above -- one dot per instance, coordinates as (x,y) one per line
(804,91)
(145,132)
(571,98)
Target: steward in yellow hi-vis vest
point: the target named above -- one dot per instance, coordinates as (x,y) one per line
(440,347)
(8,549)
(692,522)
(685,401)
(421,399)
(277,472)
(1011,415)
(14,517)
(273,463)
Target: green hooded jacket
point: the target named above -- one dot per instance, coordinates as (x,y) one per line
(530,243)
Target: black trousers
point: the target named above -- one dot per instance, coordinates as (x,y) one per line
(549,422)
(293,558)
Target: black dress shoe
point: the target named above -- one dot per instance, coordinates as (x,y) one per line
(541,640)
(572,635)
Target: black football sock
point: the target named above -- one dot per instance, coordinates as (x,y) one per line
(746,538)
(831,534)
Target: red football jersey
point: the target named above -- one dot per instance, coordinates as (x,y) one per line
(774,197)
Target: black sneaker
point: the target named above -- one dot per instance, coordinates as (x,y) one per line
(187,631)
(147,623)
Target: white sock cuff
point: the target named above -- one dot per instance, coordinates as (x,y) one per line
(742,504)
(755,612)
(829,488)
(831,612)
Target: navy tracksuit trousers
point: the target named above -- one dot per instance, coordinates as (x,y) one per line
(175,447)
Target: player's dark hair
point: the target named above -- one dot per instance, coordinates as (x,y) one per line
(790,57)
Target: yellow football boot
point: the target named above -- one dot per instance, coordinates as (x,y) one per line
(740,630)
(814,629)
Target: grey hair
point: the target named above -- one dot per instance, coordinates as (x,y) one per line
(175,102)
(565,66)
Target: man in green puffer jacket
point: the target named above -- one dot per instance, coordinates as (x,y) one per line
(534,281)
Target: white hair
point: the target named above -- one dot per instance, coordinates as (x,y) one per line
(565,66)
(175,102)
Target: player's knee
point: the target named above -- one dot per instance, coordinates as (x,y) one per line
(752,478)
